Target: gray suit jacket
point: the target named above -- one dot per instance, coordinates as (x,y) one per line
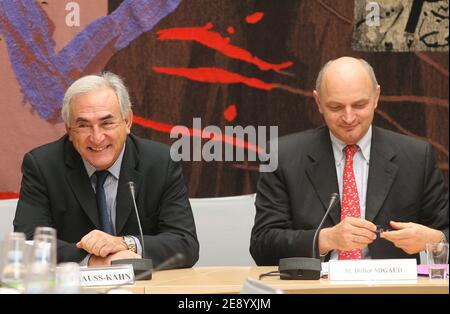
(404,185)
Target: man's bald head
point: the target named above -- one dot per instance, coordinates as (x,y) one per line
(347,95)
(346,68)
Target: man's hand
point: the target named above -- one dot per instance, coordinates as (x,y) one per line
(351,233)
(106,261)
(411,237)
(101,244)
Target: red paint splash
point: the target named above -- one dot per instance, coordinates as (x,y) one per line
(8,195)
(214,40)
(215,75)
(166,128)
(254,18)
(230,113)
(152,124)
(230,30)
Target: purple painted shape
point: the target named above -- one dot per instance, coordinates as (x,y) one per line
(44,75)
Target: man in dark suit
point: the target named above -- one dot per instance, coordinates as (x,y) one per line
(385,180)
(78,184)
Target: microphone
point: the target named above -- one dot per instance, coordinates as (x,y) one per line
(140,266)
(333,201)
(132,188)
(306,268)
(175,261)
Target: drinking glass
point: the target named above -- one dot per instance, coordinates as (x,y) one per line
(42,265)
(68,278)
(437,255)
(13,260)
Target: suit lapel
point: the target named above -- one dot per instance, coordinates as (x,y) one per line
(80,184)
(128,172)
(322,171)
(382,173)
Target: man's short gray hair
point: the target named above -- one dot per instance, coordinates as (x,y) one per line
(89,83)
(364,63)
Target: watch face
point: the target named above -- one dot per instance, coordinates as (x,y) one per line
(130,244)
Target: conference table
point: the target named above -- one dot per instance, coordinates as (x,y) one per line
(229,280)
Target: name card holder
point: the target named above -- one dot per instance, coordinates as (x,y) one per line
(106,276)
(373,269)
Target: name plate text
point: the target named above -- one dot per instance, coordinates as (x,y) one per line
(107,276)
(373,269)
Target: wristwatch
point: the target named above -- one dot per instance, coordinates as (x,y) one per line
(443,238)
(130,243)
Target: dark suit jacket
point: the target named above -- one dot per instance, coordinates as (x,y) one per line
(403,185)
(56,191)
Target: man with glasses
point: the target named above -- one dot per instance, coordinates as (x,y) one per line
(79,184)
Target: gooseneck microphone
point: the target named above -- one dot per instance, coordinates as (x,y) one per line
(306,268)
(173,262)
(333,201)
(140,266)
(132,188)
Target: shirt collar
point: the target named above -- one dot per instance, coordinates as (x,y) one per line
(364,146)
(114,169)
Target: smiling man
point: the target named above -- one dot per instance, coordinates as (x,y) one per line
(385,181)
(78,184)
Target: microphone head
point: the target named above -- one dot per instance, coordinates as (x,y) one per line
(179,259)
(175,261)
(335,196)
(131,187)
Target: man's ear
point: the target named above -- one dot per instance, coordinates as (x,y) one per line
(377,96)
(129,121)
(317,99)
(68,131)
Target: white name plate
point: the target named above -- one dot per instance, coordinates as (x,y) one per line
(106,276)
(373,269)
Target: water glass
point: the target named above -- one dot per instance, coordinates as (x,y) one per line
(67,278)
(437,256)
(13,261)
(42,265)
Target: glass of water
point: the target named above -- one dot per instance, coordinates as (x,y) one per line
(14,269)
(437,255)
(67,278)
(42,265)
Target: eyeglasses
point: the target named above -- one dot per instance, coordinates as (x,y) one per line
(104,126)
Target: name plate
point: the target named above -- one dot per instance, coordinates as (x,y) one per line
(106,276)
(373,269)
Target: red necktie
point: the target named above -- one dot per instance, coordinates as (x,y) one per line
(350,200)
